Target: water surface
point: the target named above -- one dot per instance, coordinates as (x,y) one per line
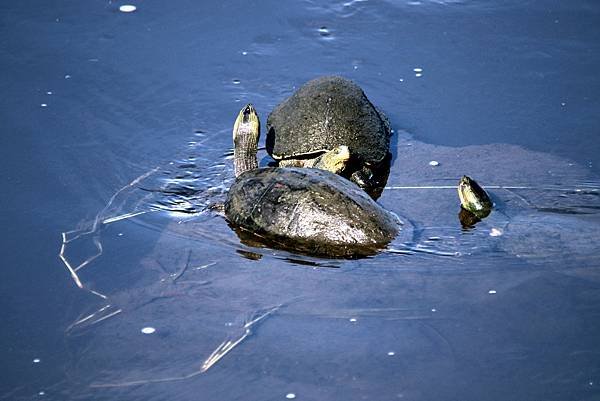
(107,114)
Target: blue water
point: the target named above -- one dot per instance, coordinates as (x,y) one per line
(94,99)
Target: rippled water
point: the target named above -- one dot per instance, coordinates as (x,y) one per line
(117,143)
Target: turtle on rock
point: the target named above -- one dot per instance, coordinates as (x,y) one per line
(305,210)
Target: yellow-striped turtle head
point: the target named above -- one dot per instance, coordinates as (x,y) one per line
(473,198)
(334,160)
(246,132)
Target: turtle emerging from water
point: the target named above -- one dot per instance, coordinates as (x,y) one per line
(307,210)
(475,203)
(326,113)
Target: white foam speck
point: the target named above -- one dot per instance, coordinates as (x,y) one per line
(37,360)
(417,69)
(434,163)
(495,232)
(127,8)
(563,104)
(391,353)
(41,393)
(492,292)
(67,76)
(401,79)
(148,330)
(418,75)
(353,320)
(49,93)
(356,67)
(290,396)
(434,310)
(120,234)
(244,53)
(43,105)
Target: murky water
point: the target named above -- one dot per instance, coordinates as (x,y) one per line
(117,139)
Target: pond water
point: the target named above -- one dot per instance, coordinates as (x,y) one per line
(117,136)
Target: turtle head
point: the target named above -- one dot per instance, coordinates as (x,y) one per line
(246,131)
(247,125)
(334,160)
(474,198)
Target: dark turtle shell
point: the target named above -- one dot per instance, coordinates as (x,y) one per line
(327,112)
(308,211)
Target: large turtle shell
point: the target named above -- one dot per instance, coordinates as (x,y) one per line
(324,113)
(308,210)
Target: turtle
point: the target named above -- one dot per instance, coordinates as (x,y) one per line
(305,210)
(327,112)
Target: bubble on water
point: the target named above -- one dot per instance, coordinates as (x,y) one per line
(563,104)
(434,163)
(418,75)
(353,320)
(148,330)
(492,292)
(290,396)
(49,93)
(391,353)
(401,79)
(127,8)
(324,31)
(37,360)
(42,393)
(434,310)
(120,234)
(355,67)
(495,232)
(44,105)
(417,69)
(67,76)
(244,53)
